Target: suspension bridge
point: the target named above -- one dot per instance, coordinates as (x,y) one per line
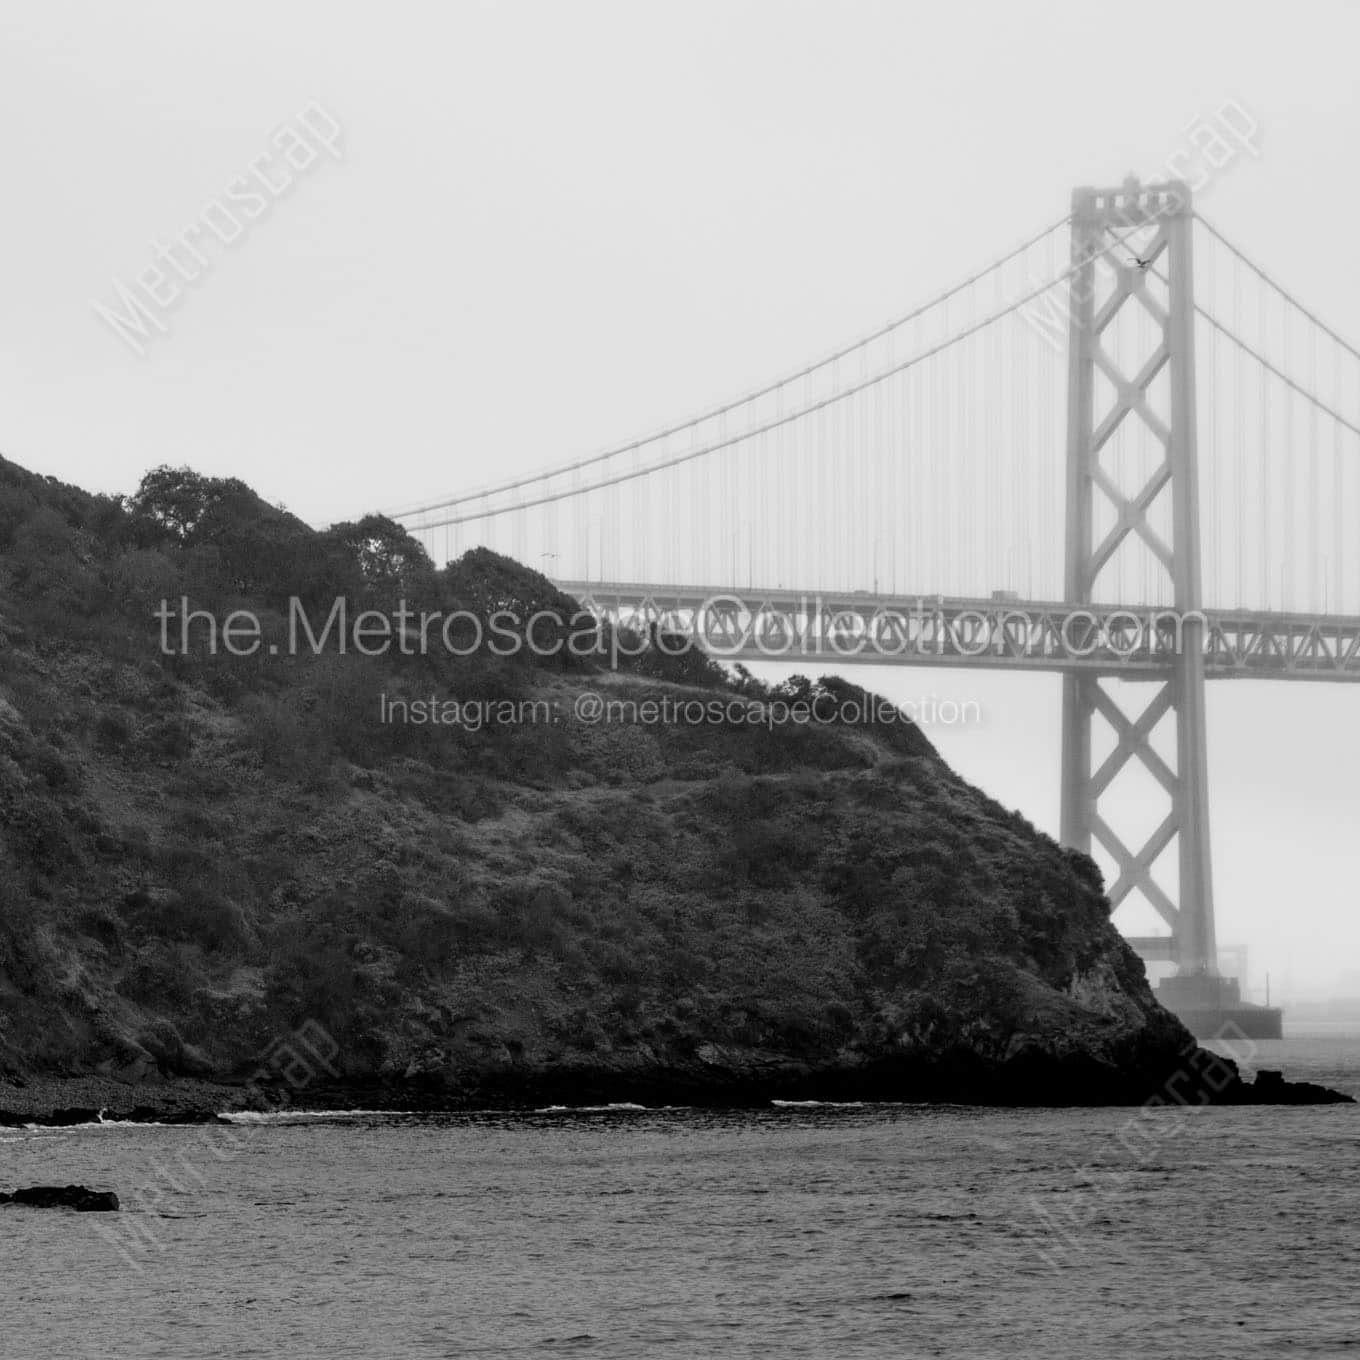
(1121,451)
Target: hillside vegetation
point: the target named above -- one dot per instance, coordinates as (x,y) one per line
(200,853)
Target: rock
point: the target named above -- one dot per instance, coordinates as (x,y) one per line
(72,1115)
(1270,1088)
(78,1197)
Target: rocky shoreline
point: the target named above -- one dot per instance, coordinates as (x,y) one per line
(1200,1078)
(60,1101)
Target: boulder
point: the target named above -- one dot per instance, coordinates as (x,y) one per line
(78,1197)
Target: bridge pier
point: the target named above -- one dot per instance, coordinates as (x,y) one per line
(1144,223)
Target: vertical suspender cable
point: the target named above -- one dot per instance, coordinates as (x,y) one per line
(1338,494)
(1313,540)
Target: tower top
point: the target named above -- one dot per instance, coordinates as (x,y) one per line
(1132,204)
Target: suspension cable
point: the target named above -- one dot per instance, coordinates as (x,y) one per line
(812,408)
(1279,288)
(1261,358)
(744,400)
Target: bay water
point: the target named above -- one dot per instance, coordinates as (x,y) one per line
(796,1230)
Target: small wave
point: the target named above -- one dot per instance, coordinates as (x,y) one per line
(283,1116)
(622,1107)
(128,1124)
(102,1124)
(819,1104)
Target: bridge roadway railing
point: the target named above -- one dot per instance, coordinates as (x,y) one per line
(999,633)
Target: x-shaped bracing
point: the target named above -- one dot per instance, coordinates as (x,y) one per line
(1134,743)
(1131,396)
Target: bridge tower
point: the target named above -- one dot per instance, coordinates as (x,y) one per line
(1131,233)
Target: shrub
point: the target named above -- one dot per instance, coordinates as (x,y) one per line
(113,730)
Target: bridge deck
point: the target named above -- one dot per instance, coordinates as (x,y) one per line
(860,627)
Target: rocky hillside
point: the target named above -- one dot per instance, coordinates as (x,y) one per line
(200,854)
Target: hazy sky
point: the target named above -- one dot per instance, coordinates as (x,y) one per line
(553,225)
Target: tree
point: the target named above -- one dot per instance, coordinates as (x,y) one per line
(392,564)
(260,548)
(178,500)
